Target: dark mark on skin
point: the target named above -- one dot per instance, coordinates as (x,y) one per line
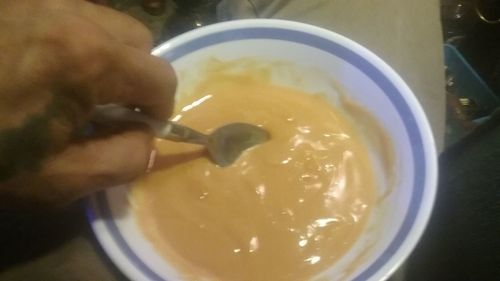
(24,148)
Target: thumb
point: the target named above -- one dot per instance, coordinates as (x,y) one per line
(83,168)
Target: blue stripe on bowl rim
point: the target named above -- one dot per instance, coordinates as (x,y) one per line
(390,90)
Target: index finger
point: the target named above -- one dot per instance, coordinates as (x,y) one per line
(119,26)
(134,78)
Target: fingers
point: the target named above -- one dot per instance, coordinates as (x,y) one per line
(121,27)
(108,70)
(111,72)
(138,79)
(90,166)
(78,170)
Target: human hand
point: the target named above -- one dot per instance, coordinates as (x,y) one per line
(58,59)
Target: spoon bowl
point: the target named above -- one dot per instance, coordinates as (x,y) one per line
(227,143)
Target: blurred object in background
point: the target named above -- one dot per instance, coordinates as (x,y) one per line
(473,27)
(154,7)
(488,11)
(190,14)
(472,58)
(462,242)
(458,18)
(469,99)
(152,13)
(481,47)
(168,18)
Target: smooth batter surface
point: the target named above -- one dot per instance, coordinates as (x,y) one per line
(286,210)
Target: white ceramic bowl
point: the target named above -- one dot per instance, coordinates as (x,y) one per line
(394,227)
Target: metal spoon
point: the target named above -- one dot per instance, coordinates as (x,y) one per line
(224,145)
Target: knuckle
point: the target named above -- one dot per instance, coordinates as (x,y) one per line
(143,36)
(56,31)
(137,34)
(78,45)
(89,58)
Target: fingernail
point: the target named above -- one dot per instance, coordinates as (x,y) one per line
(151,161)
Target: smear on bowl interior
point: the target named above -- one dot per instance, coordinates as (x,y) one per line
(285,210)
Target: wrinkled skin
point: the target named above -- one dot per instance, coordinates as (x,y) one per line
(58,59)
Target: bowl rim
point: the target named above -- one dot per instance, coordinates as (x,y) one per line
(418,212)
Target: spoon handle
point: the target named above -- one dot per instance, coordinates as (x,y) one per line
(163,129)
(175,132)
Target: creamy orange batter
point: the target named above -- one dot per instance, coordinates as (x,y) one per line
(285,210)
